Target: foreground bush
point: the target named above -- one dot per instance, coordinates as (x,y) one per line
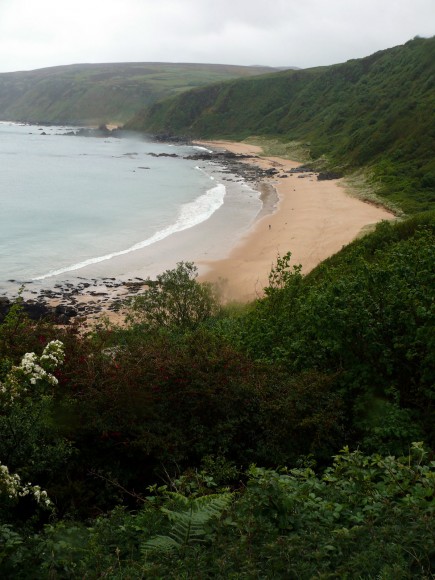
(159,403)
(368,315)
(366,516)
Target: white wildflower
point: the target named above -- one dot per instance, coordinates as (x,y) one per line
(32,371)
(10,485)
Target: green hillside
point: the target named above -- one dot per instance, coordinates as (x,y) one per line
(377,112)
(102,93)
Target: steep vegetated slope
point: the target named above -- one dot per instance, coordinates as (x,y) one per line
(162,444)
(102,93)
(376,112)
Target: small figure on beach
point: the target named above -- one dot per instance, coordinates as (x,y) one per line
(270,227)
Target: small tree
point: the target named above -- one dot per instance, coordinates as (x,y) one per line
(175,299)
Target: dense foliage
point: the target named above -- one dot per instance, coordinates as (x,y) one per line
(369,319)
(377,112)
(132,452)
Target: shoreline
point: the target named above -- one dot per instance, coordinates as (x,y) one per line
(312,219)
(154,246)
(98,288)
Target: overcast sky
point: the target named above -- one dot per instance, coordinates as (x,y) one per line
(303,33)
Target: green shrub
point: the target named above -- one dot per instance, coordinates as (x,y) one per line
(174,300)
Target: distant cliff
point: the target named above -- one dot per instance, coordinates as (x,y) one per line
(91,94)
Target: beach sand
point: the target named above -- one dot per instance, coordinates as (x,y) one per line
(314,220)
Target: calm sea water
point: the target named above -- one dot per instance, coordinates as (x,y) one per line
(67,202)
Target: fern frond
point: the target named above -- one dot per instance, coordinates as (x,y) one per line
(160,544)
(213,504)
(190,526)
(179,499)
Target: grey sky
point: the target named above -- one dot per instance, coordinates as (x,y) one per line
(304,33)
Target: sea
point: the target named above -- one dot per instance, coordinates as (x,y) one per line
(75,204)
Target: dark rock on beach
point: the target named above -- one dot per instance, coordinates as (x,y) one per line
(163,155)
(301,169)
(40,310)
(37,310)
(168,138)
(102,131)
(5,304)
(65,311)
(233,163)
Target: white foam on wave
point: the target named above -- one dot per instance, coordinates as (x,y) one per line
(199,148)
(191,214)
(204,172)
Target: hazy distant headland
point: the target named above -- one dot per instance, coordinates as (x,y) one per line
(92,94)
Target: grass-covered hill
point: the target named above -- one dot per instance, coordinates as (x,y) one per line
(102,93)
(376,112)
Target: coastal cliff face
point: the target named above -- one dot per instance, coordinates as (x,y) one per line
(91,94)
(376,112)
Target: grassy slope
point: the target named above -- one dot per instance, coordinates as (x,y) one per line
(102,93)
(377,112)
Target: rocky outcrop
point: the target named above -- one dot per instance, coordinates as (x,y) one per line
(233,163)
(39,310)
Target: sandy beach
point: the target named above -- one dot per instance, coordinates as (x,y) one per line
(313,219)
